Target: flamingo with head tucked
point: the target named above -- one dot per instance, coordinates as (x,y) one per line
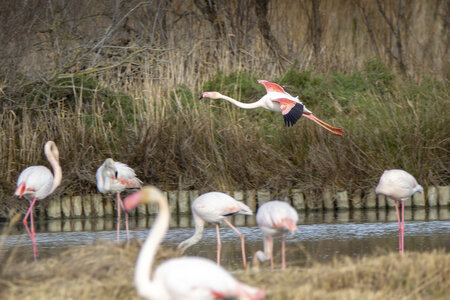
(278,100)
(37,183)
(114,177)
(275,218)
(398,185)
(215,207)
(186,278)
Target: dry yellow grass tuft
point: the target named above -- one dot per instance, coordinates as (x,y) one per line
(105,271)
(413,276)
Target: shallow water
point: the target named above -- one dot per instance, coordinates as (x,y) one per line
(321,235)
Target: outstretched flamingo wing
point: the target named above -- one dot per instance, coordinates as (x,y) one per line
(272,87)
(291,110)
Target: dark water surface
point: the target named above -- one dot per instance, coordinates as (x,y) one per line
(321,235)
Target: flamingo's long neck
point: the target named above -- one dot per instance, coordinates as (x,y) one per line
(199,226)
(147,254)
(240,104)
(52,154)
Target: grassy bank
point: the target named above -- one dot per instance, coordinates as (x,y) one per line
(106,272)
(179,141)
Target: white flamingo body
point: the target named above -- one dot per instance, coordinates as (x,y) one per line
(179,278)
(37,183)
(275,218)
(398,185)
(196,278)
(278,100)
(215,207)
(115,177)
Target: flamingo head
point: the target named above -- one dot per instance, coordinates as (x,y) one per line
(20,190)
(147,195)
(212,95)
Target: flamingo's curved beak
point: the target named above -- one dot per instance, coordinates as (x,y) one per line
(20,190)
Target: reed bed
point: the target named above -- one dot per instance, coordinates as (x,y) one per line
(123,81)
(105,271)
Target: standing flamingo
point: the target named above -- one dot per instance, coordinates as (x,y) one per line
(275,218)
(214,207)
(398,185)
(114,177)
(277,99)
(179,278)
(37,183)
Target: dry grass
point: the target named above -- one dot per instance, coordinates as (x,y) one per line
(105,271)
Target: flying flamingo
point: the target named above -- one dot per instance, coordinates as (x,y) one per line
(114,177)
(37,183)
(214,207)
(275,218)
(398,185)
(277,99)
(179,278)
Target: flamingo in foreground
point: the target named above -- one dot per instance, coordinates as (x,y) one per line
(37,183)
(398,185)
(277,99)
(215,207)
(275,218)
(179,278)
(114,177)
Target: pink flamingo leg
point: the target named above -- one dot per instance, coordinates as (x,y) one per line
(244,258)
(399,228)
(32,233)
(271,252)
(283,255)
(403,227)
(119,200)
(118,216)
(219,243)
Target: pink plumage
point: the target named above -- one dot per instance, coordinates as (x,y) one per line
(185,278)
(278,100)
(215,207)
(275,218)
(398,185)
(37,183)
(115,177)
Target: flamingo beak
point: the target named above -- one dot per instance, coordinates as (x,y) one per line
(132,201)
(20,190)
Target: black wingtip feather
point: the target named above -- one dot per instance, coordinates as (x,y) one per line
(294,115)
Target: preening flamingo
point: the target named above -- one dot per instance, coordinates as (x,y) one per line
(114,177)
(179,278)
(398,185)
(38,182)
(277,99)
(215,207)
(275,218)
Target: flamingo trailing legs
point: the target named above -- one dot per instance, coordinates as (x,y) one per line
(398,185)
(185,278)
(37,183)
(278,100)
(114,177)
(215,207)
